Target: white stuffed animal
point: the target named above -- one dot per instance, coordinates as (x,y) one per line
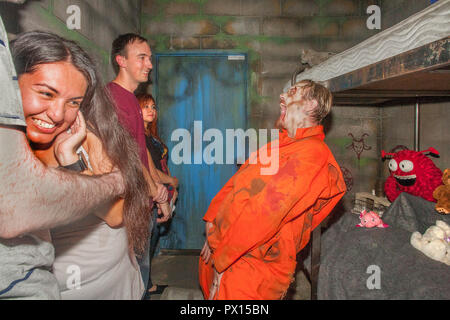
(435,242)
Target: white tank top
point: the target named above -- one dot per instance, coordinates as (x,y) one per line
(92,261)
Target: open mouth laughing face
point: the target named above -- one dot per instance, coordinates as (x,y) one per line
(291,109)
(50,101)
(406,181)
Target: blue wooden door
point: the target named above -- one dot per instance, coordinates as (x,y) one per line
(199,96)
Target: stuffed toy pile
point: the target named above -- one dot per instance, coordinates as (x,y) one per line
(435,242)
(442,194)
(412,172)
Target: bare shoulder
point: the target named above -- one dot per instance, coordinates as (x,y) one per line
(98,158)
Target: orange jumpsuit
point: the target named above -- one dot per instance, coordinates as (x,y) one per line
(260,222)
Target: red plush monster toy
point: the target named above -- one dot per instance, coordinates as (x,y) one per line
(412,172)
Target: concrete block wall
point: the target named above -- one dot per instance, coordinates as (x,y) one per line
(398,129)
(101,22)
(272,32)
(394,11)
(354,137)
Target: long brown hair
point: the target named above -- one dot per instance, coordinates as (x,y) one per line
(31,49)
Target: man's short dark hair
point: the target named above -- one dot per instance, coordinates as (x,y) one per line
(119,47)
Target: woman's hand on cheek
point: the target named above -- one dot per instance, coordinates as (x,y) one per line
(67,142)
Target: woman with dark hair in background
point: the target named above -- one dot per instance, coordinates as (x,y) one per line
(158,155)
(60,87)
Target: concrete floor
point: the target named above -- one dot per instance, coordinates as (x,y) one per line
(179,270)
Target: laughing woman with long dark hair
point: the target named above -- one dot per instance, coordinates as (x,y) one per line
(65,106)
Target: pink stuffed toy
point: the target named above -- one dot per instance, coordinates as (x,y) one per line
(370,219)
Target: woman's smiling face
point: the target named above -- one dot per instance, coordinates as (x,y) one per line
(51,97)
(149,111)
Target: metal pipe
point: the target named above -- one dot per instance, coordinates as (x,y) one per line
(417,126)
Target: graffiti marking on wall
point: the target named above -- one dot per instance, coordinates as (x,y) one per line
(359,145)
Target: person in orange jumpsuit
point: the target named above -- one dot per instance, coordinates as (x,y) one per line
(257,223)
